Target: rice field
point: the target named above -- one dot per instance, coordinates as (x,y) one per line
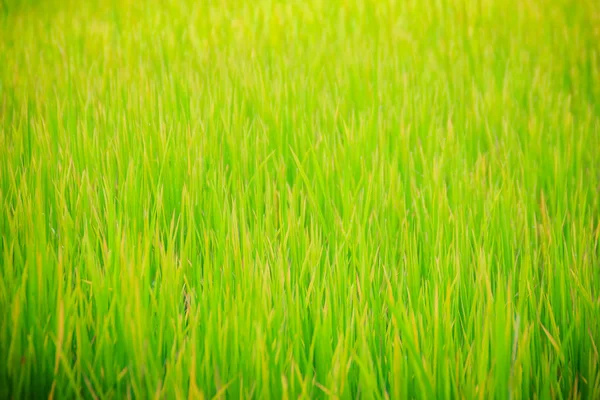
(300,199)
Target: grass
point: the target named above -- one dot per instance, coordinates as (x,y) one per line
(320,198)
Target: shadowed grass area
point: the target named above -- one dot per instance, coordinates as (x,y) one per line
(278,199)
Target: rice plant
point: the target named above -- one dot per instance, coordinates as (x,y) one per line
(300,199)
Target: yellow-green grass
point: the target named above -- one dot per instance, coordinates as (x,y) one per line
(320,198)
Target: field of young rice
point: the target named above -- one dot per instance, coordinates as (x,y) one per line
(281,198)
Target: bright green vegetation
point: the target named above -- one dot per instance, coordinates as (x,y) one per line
(318,198)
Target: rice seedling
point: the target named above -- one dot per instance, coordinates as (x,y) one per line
(315,199)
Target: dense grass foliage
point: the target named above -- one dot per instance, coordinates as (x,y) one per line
(320,198)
